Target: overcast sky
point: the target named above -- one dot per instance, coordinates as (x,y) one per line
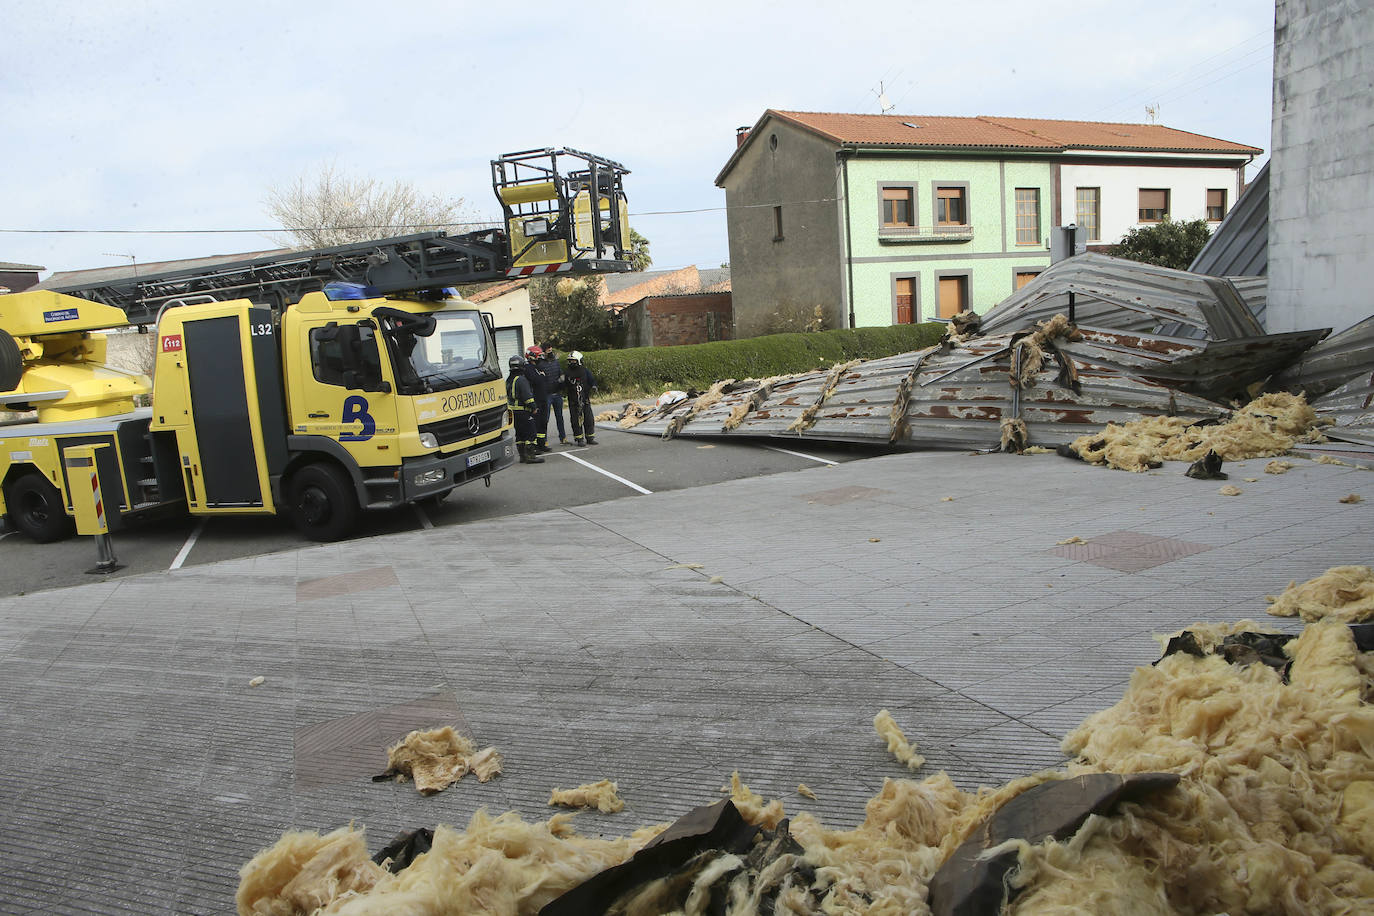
(174,115)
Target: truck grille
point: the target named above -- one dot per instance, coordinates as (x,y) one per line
(456,429)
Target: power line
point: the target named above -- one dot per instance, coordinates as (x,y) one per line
(1163,85)
(278,229)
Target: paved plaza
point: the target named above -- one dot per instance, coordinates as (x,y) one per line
(661,641)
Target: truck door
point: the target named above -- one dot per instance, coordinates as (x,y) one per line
(348,394)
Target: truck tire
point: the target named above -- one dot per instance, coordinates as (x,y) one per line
(11,363)
(322,504)
(35,508)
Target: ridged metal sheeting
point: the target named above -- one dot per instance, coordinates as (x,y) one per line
(1129,296)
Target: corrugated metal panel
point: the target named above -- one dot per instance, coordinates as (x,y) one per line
(1240,245)
(1129,296)
(1255,292)
(1350,406)
(1332,362)
(958,397)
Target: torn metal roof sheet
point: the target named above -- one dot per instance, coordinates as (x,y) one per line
(1130,296)
(941,397)
(1149,341)
(1333,362)
(1349,406)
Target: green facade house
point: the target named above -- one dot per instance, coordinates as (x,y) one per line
(889,219)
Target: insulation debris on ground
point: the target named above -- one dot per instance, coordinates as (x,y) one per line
(1279,467)
(1345,593)
(1235,775)
(1073,540)
(897,743)
(805,791)
(1230,490)
(602,795)
(437,758)
(1352,498)
(1269,425)
(257,681)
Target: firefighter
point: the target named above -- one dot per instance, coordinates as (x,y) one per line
(578,384)
(540,386)
(520,400)
(553,375)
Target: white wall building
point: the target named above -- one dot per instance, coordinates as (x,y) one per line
(1115,194)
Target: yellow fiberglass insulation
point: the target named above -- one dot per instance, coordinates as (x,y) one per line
(497,865)
(1269,425)
(897,743)
(600,795)
(1256,825)
(1343,592)
(439,757)
(1273,814)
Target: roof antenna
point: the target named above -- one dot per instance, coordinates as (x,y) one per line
(1152,113)
(884,104)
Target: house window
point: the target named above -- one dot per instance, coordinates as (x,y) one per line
(951,206)
(953,295)
(777,224)
(1088,213)
(1025,276)
(899,210)
(1216,204)
(905,304)
(1028,216)
(1154,205)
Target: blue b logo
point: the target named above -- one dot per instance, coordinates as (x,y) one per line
(355,409)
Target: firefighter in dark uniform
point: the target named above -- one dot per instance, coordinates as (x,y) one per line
(579,385)
(553,375)
(540,385)
(520,400)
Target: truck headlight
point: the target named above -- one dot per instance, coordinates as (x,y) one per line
(434,475)
(429,440)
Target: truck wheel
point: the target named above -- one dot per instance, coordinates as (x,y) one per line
(35,508)
(322,503)
(11,363)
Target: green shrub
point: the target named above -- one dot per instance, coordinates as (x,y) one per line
(642,371)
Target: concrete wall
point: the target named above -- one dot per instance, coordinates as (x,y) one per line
(1321,203)
(989,252)
(775,278)
(1119,195)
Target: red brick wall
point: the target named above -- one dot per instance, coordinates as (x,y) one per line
(689,319)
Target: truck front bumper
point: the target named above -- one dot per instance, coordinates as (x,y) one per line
(432,476)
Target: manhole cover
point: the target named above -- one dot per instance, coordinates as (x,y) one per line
(363,580)
(1130,551)
(354,748)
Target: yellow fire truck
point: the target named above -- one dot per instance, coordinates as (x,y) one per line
(311,383)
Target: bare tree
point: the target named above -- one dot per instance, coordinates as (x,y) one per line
(327,208)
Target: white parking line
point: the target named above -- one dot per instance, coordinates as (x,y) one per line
(420,514)
(190,542)
(632,486)
(773,448)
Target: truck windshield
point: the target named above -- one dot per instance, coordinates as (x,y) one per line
(450,352)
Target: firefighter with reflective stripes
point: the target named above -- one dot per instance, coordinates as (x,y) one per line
(520,400)
(579,385)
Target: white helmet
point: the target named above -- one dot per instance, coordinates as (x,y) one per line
(575,355)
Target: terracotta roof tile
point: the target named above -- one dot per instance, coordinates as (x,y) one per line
(1005,133)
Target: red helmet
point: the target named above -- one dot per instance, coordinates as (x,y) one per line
(533,352)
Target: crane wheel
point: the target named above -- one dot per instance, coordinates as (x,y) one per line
(11,362)
(322,503)
(35,508)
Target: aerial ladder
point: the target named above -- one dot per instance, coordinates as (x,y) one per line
(307,383)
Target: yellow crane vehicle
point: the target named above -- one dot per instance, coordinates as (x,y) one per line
(313,384)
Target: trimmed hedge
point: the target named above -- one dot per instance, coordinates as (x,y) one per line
(642,371)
